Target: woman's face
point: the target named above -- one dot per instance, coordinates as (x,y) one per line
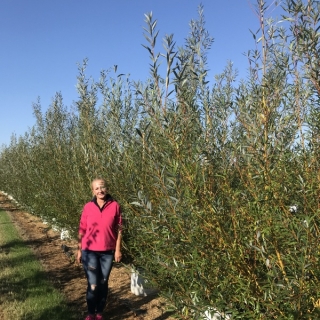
(99,189)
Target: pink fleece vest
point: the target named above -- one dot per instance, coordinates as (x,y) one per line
(100,229)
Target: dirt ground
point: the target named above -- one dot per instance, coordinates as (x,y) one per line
(67,276)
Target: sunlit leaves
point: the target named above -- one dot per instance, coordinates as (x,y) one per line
(207,172)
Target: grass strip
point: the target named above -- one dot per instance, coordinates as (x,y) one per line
(25,292)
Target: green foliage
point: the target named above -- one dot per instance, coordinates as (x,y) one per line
(205,172)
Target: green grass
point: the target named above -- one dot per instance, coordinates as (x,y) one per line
(25,293)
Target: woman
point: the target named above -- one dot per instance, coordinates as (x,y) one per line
(99,243)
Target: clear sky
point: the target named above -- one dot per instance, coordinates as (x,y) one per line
(42,41)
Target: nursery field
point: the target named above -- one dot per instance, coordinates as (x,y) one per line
(218,179)
(68,277)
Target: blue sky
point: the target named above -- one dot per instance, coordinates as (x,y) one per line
(42,42)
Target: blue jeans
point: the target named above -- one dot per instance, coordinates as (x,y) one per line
(97,266)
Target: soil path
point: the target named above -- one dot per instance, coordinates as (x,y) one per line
(67,276)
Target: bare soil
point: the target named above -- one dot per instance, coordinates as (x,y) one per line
(56,257)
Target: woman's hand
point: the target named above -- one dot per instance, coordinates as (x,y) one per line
(79,254)
(117,256)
